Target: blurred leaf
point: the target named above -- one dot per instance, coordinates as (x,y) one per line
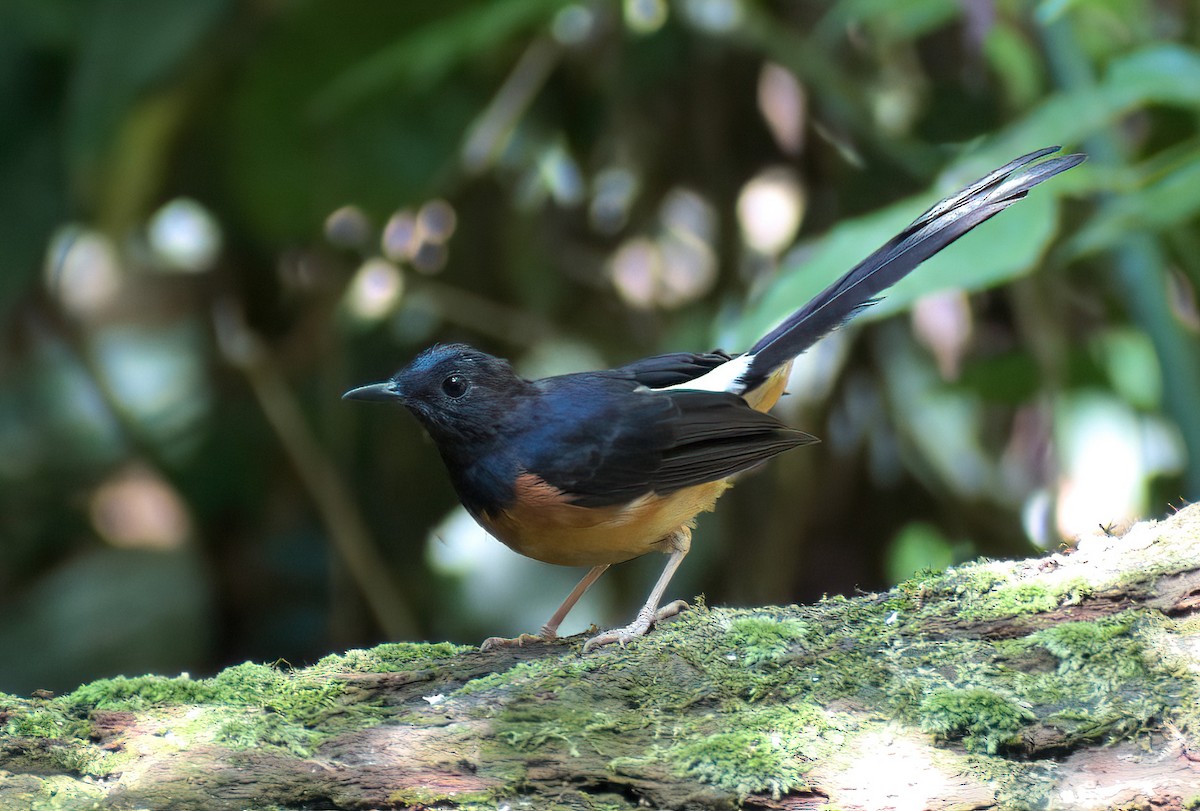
(1109,27)
(1016,62)
(1170,201)
(128,45)
(906,19)
(289,167)
(1158,74)
(1132,366)
(421,59)
(918,546)
(943,425)
(137,161)
(1013,378)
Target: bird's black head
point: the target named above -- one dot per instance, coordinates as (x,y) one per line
(459,394)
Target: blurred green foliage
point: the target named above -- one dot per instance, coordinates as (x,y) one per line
(215,217)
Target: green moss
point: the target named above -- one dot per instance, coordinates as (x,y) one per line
(139,693)
(983,719)
(44,723)
(300,697)
(1004,600)
(547,672)
(390,657)
(758,639)
(768,752)
(422,798)
(44,792)
(80,758)
(1106,643)
(981,592)
(1014,601)
(246,706)
(251,731)
(68,748)
(1108,683)
(689,699)
(774,653)
(727,660)
(743,762)
(262,705)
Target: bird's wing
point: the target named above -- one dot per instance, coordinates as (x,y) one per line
(673,369)
(609,444)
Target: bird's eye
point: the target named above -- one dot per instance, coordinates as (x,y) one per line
(454,386)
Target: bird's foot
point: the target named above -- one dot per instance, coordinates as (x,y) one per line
(541,637)
(646,619)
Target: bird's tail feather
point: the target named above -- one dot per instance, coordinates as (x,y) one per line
(943,223)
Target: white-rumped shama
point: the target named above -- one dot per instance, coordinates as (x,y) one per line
(597,468)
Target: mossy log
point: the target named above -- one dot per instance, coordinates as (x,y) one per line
(1069,681)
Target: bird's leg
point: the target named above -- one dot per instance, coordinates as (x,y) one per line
(549,631)
(679,542)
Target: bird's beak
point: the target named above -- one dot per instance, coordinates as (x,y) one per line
(376,392)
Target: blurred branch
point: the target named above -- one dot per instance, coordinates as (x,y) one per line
(317,472)
(475,312)
(1139,266)
(490,132)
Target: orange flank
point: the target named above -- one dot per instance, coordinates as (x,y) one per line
(542,525)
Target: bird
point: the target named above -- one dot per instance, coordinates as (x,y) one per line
(597,468)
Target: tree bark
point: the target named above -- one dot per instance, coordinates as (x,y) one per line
(1070,681)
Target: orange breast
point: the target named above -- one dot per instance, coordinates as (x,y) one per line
(549,529)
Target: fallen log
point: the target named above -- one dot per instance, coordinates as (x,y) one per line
(1068,681)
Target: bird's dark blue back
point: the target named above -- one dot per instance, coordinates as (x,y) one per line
(562,430)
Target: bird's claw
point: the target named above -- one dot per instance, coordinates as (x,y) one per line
(494,642)
(646,619)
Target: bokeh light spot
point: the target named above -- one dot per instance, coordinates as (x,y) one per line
(677,267)
(942,321)
(559,173)
(783,104)
(348,227)
(714,16)
(770,209)
(399,240)
(436,221)
(82,270)
(185,236)
(686,214)
(375,289)
(689,269)
(573,25)
(137,508)
(645,16)
(636,268)
(614,191)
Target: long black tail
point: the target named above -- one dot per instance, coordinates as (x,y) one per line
(935,229)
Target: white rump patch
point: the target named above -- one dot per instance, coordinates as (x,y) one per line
(726,377)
